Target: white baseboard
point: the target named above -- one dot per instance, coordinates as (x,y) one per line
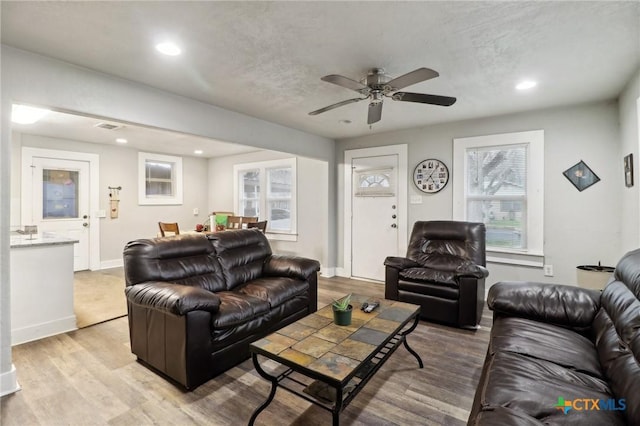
(42,330)
(113,263)
(9,382)
(328,272)
(341,272)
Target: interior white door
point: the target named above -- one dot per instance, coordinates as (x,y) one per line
(59,195)
(374,204)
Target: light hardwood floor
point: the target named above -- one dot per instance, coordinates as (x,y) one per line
(90,377)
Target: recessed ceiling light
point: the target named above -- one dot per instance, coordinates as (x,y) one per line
(23,114)
(168,48)
(525,85)
(121,140)
(198,151)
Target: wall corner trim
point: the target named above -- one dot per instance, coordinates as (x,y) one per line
(9,382)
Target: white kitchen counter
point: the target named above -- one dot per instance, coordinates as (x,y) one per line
(41,287)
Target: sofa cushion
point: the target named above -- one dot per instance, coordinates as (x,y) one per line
(429,289)
(275,290)
(241,254)
(187,259)
(546,342)
(237,308)
(617,330)
(429,275)
(533,387)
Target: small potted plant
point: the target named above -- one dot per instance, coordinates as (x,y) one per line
(342,311)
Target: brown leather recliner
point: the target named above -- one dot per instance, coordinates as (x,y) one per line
(444,272)
(196,302)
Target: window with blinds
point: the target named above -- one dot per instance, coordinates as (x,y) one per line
(499,180)
(496,193)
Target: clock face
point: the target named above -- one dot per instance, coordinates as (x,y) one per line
(431,176)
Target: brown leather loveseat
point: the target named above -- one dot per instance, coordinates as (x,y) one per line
(563,355)
(195,302)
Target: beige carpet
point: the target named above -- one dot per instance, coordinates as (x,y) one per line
(98,296)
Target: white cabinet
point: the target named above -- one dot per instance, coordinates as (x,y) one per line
(41,288)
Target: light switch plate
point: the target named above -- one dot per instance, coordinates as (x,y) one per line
(196,211)
(101,214)
(416,199)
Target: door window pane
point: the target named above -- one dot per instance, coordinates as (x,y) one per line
(59,194)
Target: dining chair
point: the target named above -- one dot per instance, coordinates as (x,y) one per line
(249,219)
(168,227)
(234,222)
(261,225)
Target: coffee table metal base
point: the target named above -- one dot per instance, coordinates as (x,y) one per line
(343,397)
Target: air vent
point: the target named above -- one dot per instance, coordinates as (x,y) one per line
(108,126)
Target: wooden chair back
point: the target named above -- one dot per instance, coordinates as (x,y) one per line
(262,225)
(168,227)
(234,222)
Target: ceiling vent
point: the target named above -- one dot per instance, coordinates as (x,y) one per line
(108,126)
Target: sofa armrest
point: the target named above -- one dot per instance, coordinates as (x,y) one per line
(470,269)
(290,266)
(174,298)
(552,303)
(400,263)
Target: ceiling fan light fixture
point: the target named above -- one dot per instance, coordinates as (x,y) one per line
(526,85)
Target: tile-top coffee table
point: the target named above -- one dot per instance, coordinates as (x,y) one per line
(328,364)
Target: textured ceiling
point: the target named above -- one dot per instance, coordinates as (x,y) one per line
(265,59)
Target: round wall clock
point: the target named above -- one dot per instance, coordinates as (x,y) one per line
(431,176)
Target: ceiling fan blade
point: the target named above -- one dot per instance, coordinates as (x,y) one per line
(424,98)
(375,112)
(344,82)
(413,77)
(339,104)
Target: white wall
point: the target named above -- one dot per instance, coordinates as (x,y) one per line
(312,201)
(580,227)
(119,167)
(630,143)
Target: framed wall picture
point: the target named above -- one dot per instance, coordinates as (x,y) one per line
(628,171)
(581,176)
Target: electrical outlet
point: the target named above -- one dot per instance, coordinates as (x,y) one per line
(415,199)
(548,270)
(196,211)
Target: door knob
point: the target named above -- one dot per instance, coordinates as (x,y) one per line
(85,216)
(85,224)
(393,225)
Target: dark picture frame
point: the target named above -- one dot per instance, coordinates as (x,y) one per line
(628,170)
(581,176)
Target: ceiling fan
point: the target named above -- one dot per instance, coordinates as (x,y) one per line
(377,84)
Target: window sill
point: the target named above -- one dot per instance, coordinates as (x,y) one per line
(534,260)
(281,237)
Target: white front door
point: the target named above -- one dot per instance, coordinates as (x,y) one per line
(57,199)
(374,225)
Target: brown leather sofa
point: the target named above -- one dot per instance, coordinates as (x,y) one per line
(562,354)
(444,272)
(195,302)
